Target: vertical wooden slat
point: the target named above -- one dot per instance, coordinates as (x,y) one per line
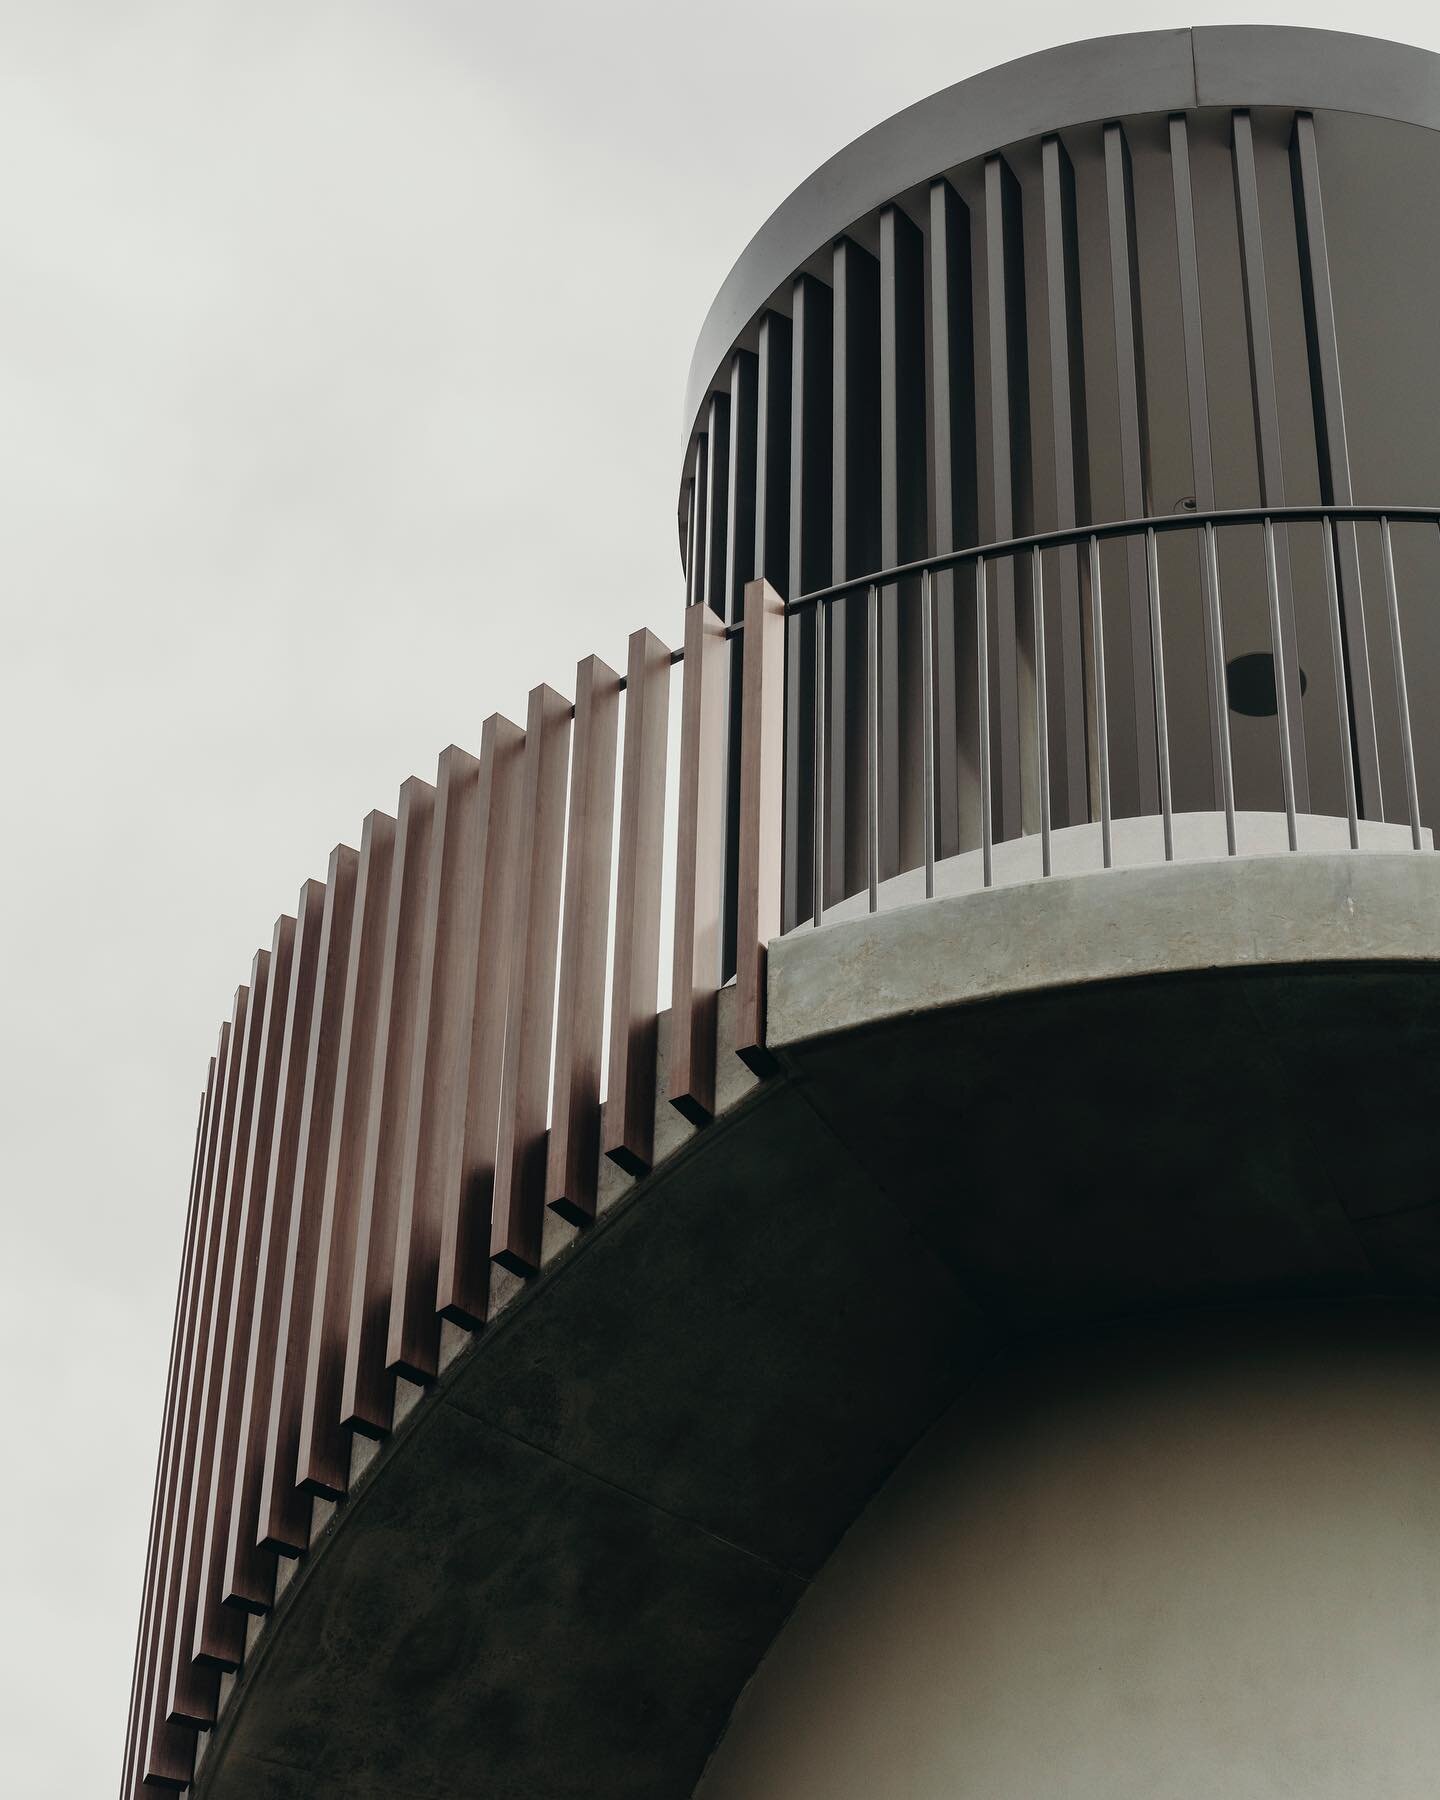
(739,566)
(218,1634)
(170,1744)
(517,1210)
(1010,462)
(630,1101)
(324,1459)
(807,565)
(1332,450)
(954,511)
(439,1069)
(761,796)
(284,1508)
(367,1390)
(1072,464)
(1144,793)
(142,1686)
(192,1688)
(696,983)
(249,1570)
(714,575)
(462,1289)
(1197,393)
(204,1471)
(572,1170)
(903,534)
(1269,450)
(855,546)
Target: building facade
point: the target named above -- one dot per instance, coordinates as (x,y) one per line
(976,1334)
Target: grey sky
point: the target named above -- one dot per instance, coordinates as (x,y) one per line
(341,355)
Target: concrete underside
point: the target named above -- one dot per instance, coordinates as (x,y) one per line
(561,1571)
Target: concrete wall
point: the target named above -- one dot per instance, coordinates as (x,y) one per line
(1180,1559)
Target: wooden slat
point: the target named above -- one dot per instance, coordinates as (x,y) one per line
(1137,783)
(573,1162)
(903,536)
(323,1466)
(855,547)
(808,567)
(1069,732)
(284,1509)
(204,1470)
(739,566)
(367,1390)
(518,1207)
(193,1688)
(1269,450)
(696,981)
(169,1747)
(761,796)
(436,1110)
(630,1101)
(144,1671)
(1332,449)
(249,1570)
(463,1283)
(1010,465)
(218,1633)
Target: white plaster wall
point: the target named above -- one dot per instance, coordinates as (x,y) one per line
(1183,1559)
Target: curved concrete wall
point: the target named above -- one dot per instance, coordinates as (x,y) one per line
(1179,1560)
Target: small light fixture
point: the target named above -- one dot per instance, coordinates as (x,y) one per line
(1250,685)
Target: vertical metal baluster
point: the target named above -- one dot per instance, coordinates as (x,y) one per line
(1042,705)
(927,719)
(982,660)
(1217,677)
(1162,728)
(1342,693)
(1402,697)
(1282,698)
(872,745)
(1102,733)
(817,836)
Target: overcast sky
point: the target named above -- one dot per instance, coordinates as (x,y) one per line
(341,357)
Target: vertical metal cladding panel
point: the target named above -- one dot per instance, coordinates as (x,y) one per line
(1133,764)
(904,535)
(170,1745)
(367,1389)
(1072,475)
(1197,393)
(761,799)
(1333,452)
(1010,456)
(808,566)
(696,983)
(772,451)
(739,565)
(517,1211)
(249,1570)
(193,1689)
(324,1459)
(954,514)
(284,1507)
(142,1684)
(572,1170)
(630,1102)
(439,1067)
(218,1628)
(246,1039)
(1267,424)
(855,547)
(462,1291)
(714,576)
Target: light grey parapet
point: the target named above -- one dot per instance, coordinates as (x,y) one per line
(1247,912)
